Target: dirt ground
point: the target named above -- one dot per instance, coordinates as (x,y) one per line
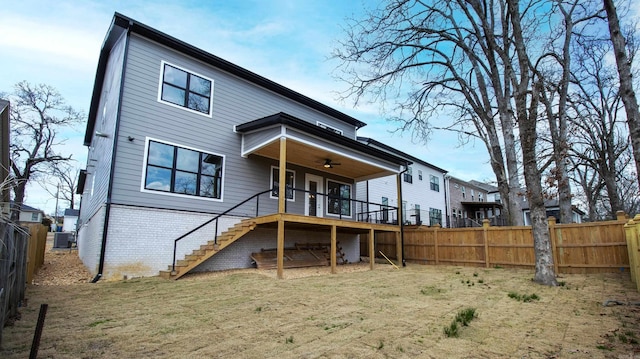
(357,313)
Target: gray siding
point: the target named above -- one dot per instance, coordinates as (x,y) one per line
(235,101)
(252,140)
(101,149)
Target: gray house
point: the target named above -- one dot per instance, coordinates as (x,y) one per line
(196,164)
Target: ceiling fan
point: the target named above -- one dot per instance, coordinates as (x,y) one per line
(329,164)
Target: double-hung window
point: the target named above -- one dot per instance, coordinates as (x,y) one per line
(182,88)
(434,183)
(408,175)
(338,198)
(184,171)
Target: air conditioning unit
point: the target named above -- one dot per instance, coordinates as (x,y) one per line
(62,240)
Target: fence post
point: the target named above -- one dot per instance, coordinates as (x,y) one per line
(435,243)
(554,243)
(635,240)
(621,216)
(630,234)
(485,236)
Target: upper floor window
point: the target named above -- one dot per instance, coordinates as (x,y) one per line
(434,183)
(289,183)
(330,128)
(419,175)
(182,88)
(408,175)
(180,170)
(480,197)
(464,192)
(472,195)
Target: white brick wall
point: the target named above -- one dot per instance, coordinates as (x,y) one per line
(90,239)
(140,240)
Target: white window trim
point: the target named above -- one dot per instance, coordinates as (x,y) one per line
(162,63)
(329,214)
(271,183)
(328,127)
(144,172)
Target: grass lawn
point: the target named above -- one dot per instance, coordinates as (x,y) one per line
(357,313)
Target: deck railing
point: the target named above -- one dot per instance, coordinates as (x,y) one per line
(342,208)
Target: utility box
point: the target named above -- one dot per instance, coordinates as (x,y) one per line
(62,239)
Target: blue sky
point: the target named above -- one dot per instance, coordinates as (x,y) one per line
(287,41)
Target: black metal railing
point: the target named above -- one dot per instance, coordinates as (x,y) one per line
(341,207)
(347,208)
(215,219)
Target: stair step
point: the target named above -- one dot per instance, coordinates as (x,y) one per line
(207,250)
(192,257)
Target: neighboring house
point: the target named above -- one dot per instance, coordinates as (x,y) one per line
(180,139)
(423,191)
(29,214)
(553,210)
(4,158)
(70,220)
(469,204)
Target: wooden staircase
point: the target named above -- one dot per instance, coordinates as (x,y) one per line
(209,249)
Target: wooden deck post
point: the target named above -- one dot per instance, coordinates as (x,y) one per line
(282,176)
(485,236)
(282,197)
(399,248)
(372,249)
(334,234)
(280,248)
(554,243)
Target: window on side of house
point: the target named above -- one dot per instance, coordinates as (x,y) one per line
(419,175)
(480,197)
(182,88)
(408,175)
(180,170)
(434,183)
(34,216)
(338,198)
(464,192)
(435,216)
(472,195)
(289,184)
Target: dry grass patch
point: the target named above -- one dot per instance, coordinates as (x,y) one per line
(385,313)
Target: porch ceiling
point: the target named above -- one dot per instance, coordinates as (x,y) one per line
(311,156)
(311,146)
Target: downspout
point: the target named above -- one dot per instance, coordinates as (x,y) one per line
(401,213)
(107,213)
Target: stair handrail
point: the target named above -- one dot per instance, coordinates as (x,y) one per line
(175,241)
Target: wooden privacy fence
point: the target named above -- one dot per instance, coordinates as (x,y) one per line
(632,230)
(577,248)
(21,254)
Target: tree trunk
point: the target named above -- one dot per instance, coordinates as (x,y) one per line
(626,82)
(527,116)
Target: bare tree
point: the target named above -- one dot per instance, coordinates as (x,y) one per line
(443,54)
(37,114)
(626,81)
(468,59)
(62,182)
